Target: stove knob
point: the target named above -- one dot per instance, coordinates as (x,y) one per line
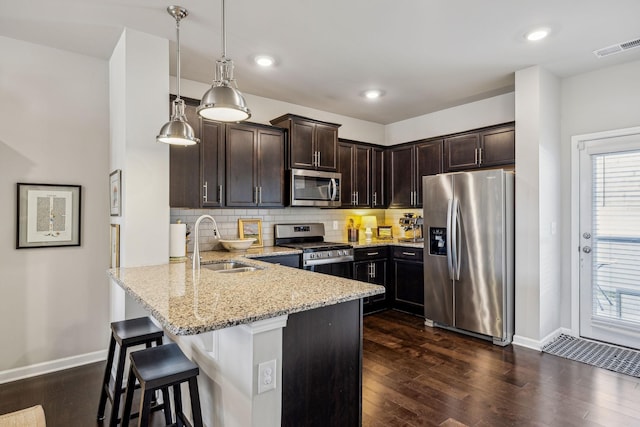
(340,253)
(312,256)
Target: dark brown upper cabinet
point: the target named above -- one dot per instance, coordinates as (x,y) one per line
(312,144)
(255,166)
(407,164)
(354,163)
(212,164)
(378,172)
(484,148)
(184,176)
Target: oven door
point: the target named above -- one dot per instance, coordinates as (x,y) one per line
(315,188)
(340,269)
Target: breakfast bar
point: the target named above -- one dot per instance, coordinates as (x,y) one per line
(275,345)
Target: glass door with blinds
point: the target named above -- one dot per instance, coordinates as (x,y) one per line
(610,240)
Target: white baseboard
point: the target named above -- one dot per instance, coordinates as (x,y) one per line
(51,366)
(539,344)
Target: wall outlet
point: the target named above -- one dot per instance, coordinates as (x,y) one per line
(266,376)
(335,225)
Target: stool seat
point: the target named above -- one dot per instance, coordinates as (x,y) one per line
(126,334)
(158,368)
(163,365)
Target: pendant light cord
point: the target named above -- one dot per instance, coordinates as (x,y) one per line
(178,57)
(224,34)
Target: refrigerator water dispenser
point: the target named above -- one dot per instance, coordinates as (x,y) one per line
(438,241)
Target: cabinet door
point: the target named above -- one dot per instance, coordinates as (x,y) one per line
(241,166)
(428,162)
(375,272)
(301,143)
(461,152)
(271,167)
(212,161)
(362,175)
(409,286)
(184,181)
(498,147)
(345,167)
(400,177)
(377,178)
(326,139)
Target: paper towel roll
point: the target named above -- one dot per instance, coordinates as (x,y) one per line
(177,240)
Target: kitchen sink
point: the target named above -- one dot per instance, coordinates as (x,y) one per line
(230,267)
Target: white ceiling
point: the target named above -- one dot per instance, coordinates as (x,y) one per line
(426,54)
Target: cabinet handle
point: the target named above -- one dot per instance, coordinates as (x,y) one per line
(357,198)
(204,191)
(318,159)
(409,253)
(255,195)
(372,253)
(220,193)
(259,195)
(479,156)
(375,198)
(475,153)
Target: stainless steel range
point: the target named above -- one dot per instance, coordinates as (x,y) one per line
(317,255)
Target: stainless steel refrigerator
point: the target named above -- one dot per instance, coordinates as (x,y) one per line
(469,253)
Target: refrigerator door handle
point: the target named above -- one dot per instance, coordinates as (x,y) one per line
(449,245)
(455,224)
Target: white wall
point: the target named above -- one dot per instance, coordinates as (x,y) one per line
(139,90)
(486,112)
(598,101)
(54,129)
(538,245)
(264,109)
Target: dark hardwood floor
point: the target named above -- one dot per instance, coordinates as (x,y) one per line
(419,376)
(413,376)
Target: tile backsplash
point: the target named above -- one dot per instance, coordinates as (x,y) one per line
(227,221)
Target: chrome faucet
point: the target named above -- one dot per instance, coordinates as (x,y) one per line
(196,231)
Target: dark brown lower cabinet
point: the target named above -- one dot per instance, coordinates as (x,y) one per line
(370,266)
(408,280)
(322,367)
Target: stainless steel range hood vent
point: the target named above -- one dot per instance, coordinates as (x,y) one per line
(616,48)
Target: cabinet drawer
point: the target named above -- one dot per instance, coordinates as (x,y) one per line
(364,254)
(400,252)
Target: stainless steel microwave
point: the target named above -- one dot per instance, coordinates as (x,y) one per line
(315,188)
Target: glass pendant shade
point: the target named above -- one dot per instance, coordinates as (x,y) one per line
(177,131)
(223,102)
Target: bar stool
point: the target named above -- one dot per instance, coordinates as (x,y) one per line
(127,333)
(160,368)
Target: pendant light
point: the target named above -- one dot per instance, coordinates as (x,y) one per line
(223,102)
(177,131)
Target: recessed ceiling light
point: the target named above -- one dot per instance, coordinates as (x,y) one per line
(373,93)
(264,60)
(537,34)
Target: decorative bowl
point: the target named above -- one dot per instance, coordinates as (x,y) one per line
(236,244)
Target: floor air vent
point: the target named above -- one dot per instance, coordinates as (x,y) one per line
(616,48)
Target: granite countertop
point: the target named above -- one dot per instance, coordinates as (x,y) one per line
(188,302)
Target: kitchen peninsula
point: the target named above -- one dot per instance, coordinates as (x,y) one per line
(275,345)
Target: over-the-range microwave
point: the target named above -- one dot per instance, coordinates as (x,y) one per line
(315,188)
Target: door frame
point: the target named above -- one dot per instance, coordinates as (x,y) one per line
(576,142)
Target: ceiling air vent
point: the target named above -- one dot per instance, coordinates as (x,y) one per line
(616,48)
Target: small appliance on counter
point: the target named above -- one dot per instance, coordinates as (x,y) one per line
(412,222)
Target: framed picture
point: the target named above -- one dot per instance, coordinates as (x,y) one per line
(48,215)
(385,232)
(251,228)
(115,192)
(115,246)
